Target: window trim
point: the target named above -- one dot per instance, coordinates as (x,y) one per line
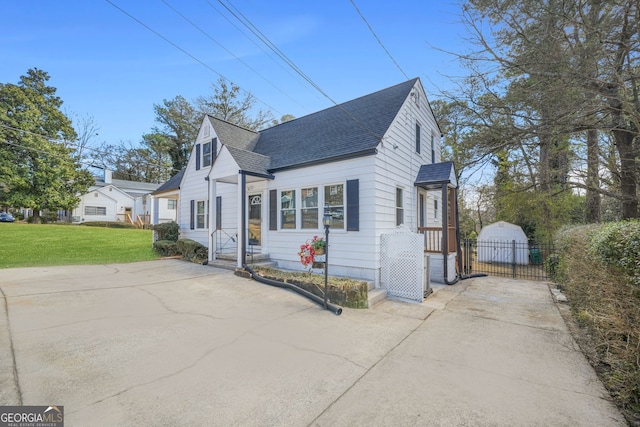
(97,210)
(294,209)
(298,209)
(399,206)
(204,214)
(206,155)
(433,148)
(310,208)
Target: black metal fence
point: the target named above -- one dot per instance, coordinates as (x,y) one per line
(518,260)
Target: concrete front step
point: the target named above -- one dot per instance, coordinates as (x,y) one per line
(375,296)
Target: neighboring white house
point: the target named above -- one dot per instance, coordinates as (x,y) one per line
(115,200)
(503,242)
(164,200)
(372,163)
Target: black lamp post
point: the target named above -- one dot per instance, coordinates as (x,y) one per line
(327,219)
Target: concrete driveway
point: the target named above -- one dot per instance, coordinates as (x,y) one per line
(168,343)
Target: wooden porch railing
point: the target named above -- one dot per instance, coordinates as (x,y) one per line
(433,239)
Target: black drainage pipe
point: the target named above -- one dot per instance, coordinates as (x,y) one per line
(334,308)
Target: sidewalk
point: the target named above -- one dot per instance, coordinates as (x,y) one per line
(174,343)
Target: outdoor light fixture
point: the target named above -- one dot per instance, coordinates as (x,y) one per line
(326,220)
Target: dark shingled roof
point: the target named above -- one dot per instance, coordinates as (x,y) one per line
(250,162)
(234,135)
(172,184)
(347,130)
(436,173)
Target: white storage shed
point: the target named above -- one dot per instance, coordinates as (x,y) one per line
(503,242)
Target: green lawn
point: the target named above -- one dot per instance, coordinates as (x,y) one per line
(35,245)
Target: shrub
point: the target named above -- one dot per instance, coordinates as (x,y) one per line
(618,244)
(166,248)
(594,267)
(108,224)
(49,217)
(192,250)
(19,216)
(167,231)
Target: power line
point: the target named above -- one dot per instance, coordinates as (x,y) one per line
(229,52)
(187,53)
(378,39)
(267,54)
(267,42)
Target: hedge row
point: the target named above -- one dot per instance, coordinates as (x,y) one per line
(599,272)
(186,248)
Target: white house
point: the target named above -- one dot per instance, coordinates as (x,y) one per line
(115,200)
(372,163)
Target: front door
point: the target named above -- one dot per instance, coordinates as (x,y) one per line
(255,220)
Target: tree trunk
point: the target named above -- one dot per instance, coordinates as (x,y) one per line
(593,177)
(628,173)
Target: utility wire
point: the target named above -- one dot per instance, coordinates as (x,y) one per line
(187,53)
(378,39)
(264,39)
(256,44)
(193,24)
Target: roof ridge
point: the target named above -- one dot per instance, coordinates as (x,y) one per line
(413,80)
(232,124)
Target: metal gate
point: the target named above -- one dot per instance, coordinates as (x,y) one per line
(530,260)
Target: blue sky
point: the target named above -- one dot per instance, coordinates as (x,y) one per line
(106,65)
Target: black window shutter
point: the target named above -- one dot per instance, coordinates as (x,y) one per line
(418,143)
(273,209)
(214,150)
(218,212)
(192,223)
(353,205)
(197,157)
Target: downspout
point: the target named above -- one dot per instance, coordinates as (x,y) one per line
(320,301)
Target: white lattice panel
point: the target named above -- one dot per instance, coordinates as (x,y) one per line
(402,264)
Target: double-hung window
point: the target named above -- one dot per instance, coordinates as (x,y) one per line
(288,209)
(202,217)
(399,207)
(334,202)
(206,154)
(309,207)
(172,204)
